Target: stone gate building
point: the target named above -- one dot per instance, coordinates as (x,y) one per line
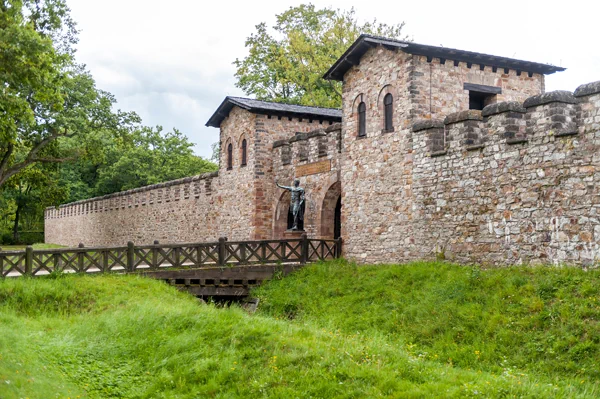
(435,151)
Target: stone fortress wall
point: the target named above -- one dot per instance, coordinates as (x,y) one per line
(314,158)
(377,169)
(236,203)
(511,184)
(177,211)
(516,182)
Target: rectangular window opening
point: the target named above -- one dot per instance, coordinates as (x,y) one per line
(481,95)
(479,100)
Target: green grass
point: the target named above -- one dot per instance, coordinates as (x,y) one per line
(330,330)
(35,246)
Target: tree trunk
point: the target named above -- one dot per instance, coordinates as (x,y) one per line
(16,225)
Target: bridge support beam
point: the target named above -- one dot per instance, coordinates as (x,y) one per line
(236,281)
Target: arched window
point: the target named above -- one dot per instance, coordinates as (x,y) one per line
(362,119)
(388,102)
(244,152)
(229,156)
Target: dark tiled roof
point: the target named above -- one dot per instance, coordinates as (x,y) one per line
(365,42)
(271,108)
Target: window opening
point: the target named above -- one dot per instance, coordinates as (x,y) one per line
(362,119)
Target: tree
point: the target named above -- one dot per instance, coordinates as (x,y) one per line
(216,152)
(287,65)
(60,139)
(51,108)
(30,191)
(150,157)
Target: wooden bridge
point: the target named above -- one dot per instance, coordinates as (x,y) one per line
(223,268)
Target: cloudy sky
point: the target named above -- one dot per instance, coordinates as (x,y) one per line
(171,61)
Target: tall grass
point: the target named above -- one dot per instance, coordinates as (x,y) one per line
(536,319)
(331,330)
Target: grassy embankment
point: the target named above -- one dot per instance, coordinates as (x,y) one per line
(330,330)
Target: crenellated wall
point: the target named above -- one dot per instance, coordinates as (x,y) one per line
(518,182)
(513,183)
(317,151)
(377,169)
(237,202)
(177,211)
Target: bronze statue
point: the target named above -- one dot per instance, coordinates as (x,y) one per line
(296,202)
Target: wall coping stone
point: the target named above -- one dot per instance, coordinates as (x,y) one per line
(566,133)
(306,136)
(332,128)
(280,143)
(587,89)
(427,124)
(558,96)
(473,147)
(506,106)
(204,176)
(438,153)
(309,135)
(470,114)
(517,140)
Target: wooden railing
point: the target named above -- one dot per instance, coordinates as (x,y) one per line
(132,258)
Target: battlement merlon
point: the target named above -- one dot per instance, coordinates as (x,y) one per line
(557,113)
(187,186)
(313,146)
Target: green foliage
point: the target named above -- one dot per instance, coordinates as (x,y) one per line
(466,316)
(27,194)
(35,246)
(51,108)
(286,64)
(52,113)
(328,331)
(143,157)
(149,157)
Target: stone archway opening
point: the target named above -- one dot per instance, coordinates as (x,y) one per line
(281,217)
(337,224)
(331,212)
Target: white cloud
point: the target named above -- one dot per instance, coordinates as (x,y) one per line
(171,61)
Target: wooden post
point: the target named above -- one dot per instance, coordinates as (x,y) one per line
(105,260)
(304,249)
(243,253)
(154,264)
(130,256)
(222,249)
(29,260)
(176,258)
(198,258)
(56,260)
(80,258)
(338,248)
(1,264)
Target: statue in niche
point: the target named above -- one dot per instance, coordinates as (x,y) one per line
(296,204)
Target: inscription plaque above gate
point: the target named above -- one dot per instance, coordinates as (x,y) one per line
(313,168)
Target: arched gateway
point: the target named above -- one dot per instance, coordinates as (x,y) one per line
(331,212)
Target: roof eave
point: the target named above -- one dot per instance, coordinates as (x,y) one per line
(331,73)
(301,115)
(228,103)
(353,54)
